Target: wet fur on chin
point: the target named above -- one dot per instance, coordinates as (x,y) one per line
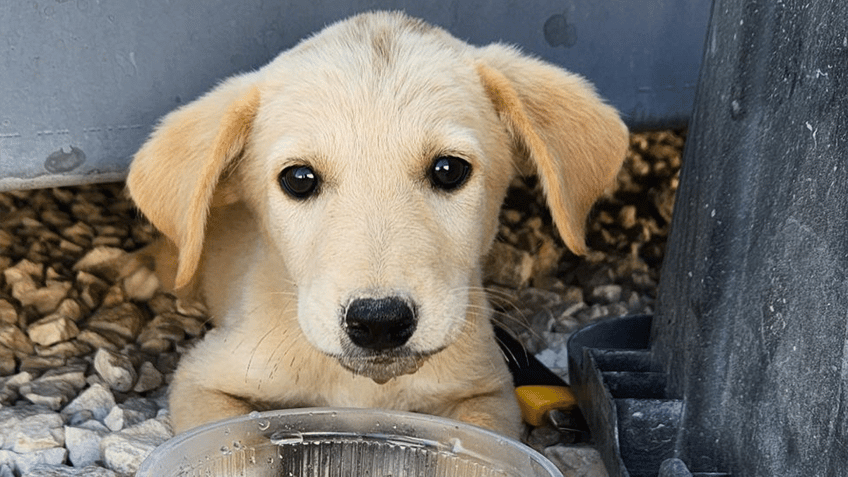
(381,368)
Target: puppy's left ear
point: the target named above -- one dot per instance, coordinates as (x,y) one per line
(176,176)
(574,140)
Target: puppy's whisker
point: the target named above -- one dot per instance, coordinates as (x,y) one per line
(289,337)
(504,319)
(258,344)
(284,294)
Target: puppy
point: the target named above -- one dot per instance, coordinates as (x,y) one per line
(333,209)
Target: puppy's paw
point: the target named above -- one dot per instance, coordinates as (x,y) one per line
(192,406)
(497,411)
(509,426)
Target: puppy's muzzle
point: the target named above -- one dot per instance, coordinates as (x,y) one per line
(378,329)
(379,324)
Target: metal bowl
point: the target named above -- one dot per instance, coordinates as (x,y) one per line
(330,442)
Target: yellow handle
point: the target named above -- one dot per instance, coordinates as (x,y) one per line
(537,401)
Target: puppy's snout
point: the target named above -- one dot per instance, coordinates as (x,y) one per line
(379,324)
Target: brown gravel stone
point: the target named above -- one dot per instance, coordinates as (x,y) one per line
(114,296)
(13,338)
(161,328)
(141,284)
(162,303)
(191,325)
(39,364)
(8,313)
(96,340)
(91,289)
(8,365)
(6,239)
(50,330)
(508,266)
(80,234)
(46,298)
(126,320)
(105,262)
(65,349)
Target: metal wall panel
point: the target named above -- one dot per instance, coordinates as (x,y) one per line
(82,82)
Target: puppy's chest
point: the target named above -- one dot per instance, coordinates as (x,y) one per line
(341,389)
(335,387)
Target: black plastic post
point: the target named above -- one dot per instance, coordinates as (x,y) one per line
(752,320)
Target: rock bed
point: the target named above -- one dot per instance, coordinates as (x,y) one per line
(86,357)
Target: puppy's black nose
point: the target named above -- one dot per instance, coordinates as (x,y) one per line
(379,324)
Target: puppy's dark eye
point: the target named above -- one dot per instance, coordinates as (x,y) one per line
(449,172)
(299,182)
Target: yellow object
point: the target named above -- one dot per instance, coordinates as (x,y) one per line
(537,401)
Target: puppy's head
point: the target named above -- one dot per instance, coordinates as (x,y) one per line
(375,157)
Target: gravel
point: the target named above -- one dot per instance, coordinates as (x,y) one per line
(86,358)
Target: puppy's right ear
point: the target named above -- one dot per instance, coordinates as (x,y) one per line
(174,177)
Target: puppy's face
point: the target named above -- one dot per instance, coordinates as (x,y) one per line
(381,167)
(375,156)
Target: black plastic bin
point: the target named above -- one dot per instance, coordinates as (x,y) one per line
(743,370)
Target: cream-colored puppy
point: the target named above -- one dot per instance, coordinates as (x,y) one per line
(333,207)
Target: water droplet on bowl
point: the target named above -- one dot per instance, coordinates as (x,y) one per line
(263,424)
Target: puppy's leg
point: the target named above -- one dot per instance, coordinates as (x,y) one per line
(192,403)
(497,411)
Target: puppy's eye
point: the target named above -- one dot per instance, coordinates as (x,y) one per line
(299,182)
(449,172)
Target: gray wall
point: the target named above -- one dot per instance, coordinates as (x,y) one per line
(83,81)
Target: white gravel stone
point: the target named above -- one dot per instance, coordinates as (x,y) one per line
(577,461)
(556,359)
(72,374)
(606,293)
(50,394)
(83,445)
(115,419)
(96,399)
(65,471)
(93,425)
(124,451)
(115,369)
(25,429)
(149,378)
(24,463)
(11,385)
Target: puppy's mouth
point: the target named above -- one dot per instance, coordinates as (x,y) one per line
(382,367)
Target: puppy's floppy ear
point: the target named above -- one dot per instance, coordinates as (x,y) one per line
(575,141)
(174,177)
